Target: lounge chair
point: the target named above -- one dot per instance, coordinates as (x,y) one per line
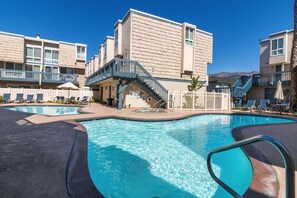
(263,105)
(271,107)
(70,100)
(30,98)
(77,101)
(285,107)
(19,98)
(6,98)
(84,100)
(39,98)
(293,108)
(250,105)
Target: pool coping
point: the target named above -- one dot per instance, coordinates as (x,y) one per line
(79,109)
(262,184)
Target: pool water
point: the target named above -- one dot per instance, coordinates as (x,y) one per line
(167,158)
(46,110)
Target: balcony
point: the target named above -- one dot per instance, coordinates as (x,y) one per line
(271,79)
(29,76)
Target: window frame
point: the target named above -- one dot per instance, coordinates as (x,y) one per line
(188,39)
(79,54)
(276,51)
(52,60)
(14,66)
(105,50)
(33,57)
(116,38)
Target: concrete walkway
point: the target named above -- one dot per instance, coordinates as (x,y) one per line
(44,160)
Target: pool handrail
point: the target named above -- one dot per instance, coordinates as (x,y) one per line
(288,160)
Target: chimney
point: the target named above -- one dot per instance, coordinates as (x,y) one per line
(38,36)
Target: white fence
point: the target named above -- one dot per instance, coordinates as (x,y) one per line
(48,94)
(200,101)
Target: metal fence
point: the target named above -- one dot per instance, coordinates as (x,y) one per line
(199,101)
(48,94)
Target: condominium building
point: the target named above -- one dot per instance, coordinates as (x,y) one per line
(275,54)
(167,52)
(34,62)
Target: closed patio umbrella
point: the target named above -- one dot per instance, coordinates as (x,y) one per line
(279,94)
(68,86)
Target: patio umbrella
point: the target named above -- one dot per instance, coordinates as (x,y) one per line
(279,94)
(68,86)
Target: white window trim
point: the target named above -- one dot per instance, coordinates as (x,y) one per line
(76,54)
(54,61)
(33,57)
(189,41)
(277,49)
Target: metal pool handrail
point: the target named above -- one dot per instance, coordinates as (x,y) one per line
(289,163)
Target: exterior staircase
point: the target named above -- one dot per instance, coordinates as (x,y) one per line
(240,88)
(129,70)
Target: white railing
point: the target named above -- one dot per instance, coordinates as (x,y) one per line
(48,94)
(199,101)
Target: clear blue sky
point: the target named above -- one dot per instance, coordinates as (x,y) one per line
(236,25)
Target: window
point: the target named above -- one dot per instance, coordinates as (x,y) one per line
(116,36)
(1,65)
(9,66)
(16,67)
(105,50)
(65,70)
(189,36)
(99,56)
(13,66)
(51,56)
(33,54)
(81,53)
(32,68)
(277,46)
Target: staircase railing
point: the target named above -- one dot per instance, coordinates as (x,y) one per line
(289,163)
(238,91)
(123,68)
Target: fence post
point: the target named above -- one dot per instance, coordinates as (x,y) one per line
(193,101)
(214,101)
(205,101)
(181,100)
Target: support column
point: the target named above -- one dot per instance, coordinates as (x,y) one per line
(120,95)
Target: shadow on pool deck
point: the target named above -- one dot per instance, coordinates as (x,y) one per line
(34,159)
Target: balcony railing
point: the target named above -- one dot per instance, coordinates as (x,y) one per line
(51,61)
(270,79)
(29,76)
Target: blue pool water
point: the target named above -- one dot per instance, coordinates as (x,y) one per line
(46,110)
(168,158)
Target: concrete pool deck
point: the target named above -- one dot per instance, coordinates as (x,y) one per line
(46,162)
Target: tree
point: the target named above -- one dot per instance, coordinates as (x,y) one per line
(293,65)
(193,87)
(195,84)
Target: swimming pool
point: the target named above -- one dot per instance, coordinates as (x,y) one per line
(168,158)
(46,110)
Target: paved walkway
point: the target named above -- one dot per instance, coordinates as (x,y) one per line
(35,151)
(44,160)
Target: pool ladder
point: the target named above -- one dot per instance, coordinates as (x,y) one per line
(289,163)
